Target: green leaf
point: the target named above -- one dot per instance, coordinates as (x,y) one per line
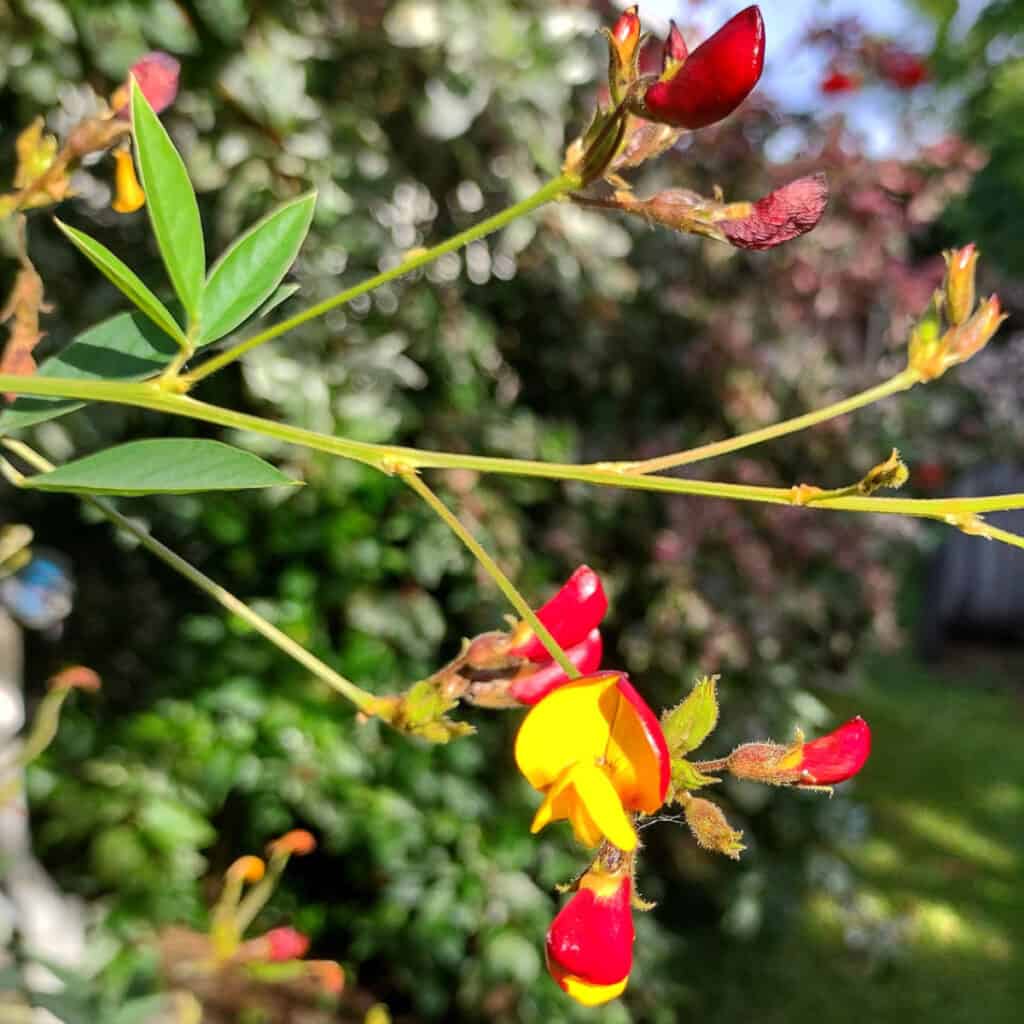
(162,466)
(171,203)
(285,292)
(122,276)
(688,724)
(245,276)
(125,347)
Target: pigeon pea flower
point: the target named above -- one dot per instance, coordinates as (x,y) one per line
(589,948)
(569,616)
(596,751)
(822,762)
(285,943)
(713,80)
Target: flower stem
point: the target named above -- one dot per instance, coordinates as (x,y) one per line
(387,457)
(552,190)
(225,598)
(507,587)
(903,380)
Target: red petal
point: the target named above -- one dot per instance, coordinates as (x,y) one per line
(716,78)
(570,615)
(652,727)
(157,75)
(675,45)
(286,944)
(586,656)
(592,938)
(837,756)
(786,213)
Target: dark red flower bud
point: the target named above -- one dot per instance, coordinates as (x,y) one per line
(675,49)
(904,70)
(836,82)
(157,75)
(786,213)
(589,947)
(285,944)
(715,79)
(569,616)
(586,656)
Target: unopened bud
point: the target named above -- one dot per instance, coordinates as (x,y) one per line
(675,51)
(971,337)
(925,347)
(711,829)
(296,843)
(247,869)
(128,193)
(623,53)
(75,677)
(960,269)
(891,474)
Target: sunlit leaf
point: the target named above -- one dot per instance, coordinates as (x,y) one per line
(171,203)
(246,275)
(128,346)
(162,466)
(123,277)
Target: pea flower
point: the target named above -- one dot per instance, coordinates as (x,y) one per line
(596,751)
(157,75)
(589,948)
(821,762)
(713,80)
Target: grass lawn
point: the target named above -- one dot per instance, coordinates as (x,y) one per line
(936,933)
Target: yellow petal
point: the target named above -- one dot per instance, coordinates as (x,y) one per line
(585,796)
(592,995)
(571,724)
(128,194)
(603,807)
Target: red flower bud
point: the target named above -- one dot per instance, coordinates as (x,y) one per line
(838,82)
(589,947)
(157,75)
(675,49)
(822,762)
(837,756)
(626,31)
(586,656)
(286,944)
(569,616)
(902,69)
(786,213)
(715,79)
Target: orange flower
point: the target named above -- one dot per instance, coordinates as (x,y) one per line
(597,753)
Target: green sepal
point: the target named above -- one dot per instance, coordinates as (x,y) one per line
(688,724)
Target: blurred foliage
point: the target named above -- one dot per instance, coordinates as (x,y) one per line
(568,336)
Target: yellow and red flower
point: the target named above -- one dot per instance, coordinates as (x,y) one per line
(589,948)
(597,752)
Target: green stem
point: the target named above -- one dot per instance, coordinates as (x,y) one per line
(225,598)
(901,382)
(391,458)
(552,190)
(507,587)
